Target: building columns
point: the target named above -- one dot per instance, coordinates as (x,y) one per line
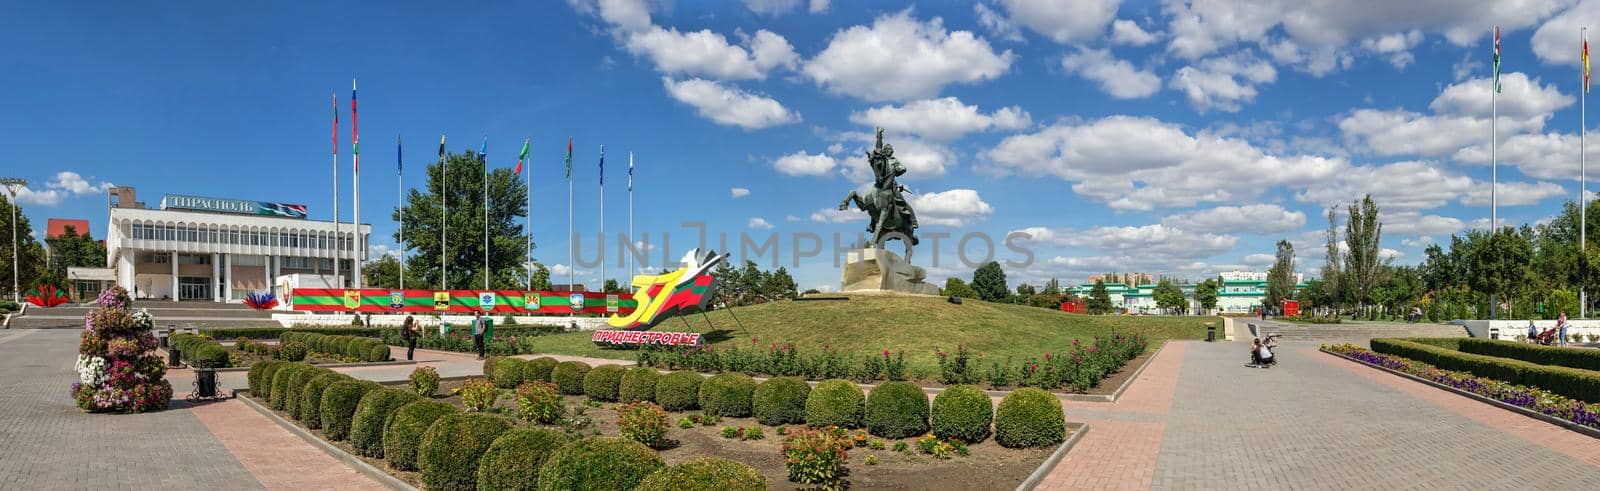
(266,269)
(174,265)
(216,277)
(227,280)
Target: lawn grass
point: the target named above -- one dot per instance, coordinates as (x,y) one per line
(918,326)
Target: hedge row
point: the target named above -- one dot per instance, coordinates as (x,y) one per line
(200,350)
(1581,358)
(1583,385)
(277,332)
(362,348)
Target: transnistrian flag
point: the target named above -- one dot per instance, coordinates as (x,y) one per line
(521,156)
(569,158)
(1497,59)
(355,128)
(336,123)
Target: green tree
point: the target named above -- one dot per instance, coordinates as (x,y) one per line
(1169,297)
(461,182)
(1206,294)
(990,282)
(1052,287)
(1331,263)
(1099,299)
(954,287)
(779,285)
(1281,279)
(1499,266)
(541,278)
(611,286)
(1362,234)
(385,273)
(73,250)
(1026,290)
(31,262)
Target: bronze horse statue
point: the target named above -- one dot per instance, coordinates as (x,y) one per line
(891,216)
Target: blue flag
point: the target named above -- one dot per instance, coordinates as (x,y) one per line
(483,151)
(602,165)
(399,160)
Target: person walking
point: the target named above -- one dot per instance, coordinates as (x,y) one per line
(409,332)
(1533,332)
(1561,329)
(477,333)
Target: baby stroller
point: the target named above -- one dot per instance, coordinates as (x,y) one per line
(1270,345)
(1547,337)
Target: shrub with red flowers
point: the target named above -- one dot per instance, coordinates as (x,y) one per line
(817,457)
(539,402)
(644,422)
(118,370)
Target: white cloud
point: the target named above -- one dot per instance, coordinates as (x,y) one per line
(818,6)
(899,58)
(1520,98)
(1513,193)
(955,208)
(1138,163)
(759,223)
(834,215)
(1390,254)
(1422,241)
(1256,218)
(1411,223)
(1199,28)
(1461,118)
(1556,41)
(1539,155)
(1063,21)
(739,192)
(804,164)
(376,251)
(63,185)
(922,159)
(1155,240)
(1259,259)
(996,23)
(730,106)
(941,119)
(1223,83)
(1395,47)
(708,54)
(559,270)
(1400,186)
(1119,78)
(1128,33)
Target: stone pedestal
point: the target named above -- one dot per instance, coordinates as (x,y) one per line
(881,271)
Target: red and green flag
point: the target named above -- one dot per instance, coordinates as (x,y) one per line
(1497,59)
(521,156)
(569,158)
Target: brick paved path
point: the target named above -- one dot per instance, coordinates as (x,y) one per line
(1198,419)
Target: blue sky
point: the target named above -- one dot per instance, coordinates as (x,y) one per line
(1164,137)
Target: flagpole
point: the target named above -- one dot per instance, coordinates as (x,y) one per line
(570,266)
(444,216)
(355,221)
(400,200)
(338,254)
(631,270)
(602,218)
(529,177)
(1583,198)
(483,155)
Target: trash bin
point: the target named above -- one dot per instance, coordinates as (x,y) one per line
(205,381)
(172,357)
(1211,334)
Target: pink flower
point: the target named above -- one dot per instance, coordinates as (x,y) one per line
(886,353)
(1047,356)
(753,340)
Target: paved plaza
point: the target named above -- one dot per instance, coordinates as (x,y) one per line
(1196,418)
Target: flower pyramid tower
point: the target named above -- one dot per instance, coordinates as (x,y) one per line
(118,370)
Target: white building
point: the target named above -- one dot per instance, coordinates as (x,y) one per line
(220,249)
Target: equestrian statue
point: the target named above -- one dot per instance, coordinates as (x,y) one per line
(885,204)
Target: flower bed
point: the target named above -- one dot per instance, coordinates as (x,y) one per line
(1077,368)
(1531,398)
(117,368)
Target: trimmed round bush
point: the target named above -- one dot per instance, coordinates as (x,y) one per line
(366,427)
(512,461)
(508,373)
(568,376)
(451,448)
(638,385)
(268,375)
(489,364)
(311,398)
(1029,418)
(962,412)
(538,369)
(705,473)
(208,355)
(603,463)
(257,371)
(835,402)
(376,351)
(679,391)
(603,382)
(280,383)
(727,394)
(297,387)
(339,403)
(897,410)
(402,435)
(781,401)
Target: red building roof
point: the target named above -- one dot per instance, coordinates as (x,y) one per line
(55,227)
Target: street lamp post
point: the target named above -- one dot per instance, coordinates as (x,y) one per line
(12,186)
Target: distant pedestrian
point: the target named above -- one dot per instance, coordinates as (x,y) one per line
(1561,329)
(1533,332)
(477,333)
(410,332)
